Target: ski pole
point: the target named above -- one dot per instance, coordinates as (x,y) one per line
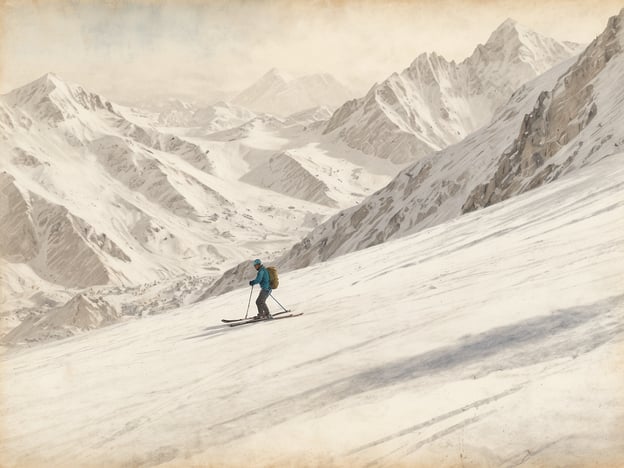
(285,310)
(249,303)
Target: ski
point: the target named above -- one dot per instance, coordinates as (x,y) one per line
(245,322)
(246,319)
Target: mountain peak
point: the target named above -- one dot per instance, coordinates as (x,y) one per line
(422,58)
(275,74)
(431,104)
(512,40)
(507,31)
(42,86)
(279,93)
(508,23)
(51,76)
(49,81)
(50,97)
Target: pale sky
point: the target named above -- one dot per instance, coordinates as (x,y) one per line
(131,50)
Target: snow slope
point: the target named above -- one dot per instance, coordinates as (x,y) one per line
(434,103)
(495,339)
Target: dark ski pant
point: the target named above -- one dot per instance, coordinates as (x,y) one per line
(263,309)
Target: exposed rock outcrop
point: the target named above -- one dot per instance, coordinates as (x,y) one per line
(285,175)
(558,117)
(60,247)
(140,174)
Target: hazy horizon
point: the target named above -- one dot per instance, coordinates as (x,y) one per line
(130,51)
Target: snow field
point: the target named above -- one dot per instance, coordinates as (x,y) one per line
(494,339)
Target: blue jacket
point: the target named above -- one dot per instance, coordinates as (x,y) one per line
(262,278)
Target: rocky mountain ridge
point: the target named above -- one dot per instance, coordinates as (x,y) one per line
(567,118)
(435,102)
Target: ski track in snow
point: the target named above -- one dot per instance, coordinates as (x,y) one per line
(499,344)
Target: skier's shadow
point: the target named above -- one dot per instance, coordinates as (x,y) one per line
(212,331)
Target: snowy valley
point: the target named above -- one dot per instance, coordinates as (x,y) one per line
(147,208)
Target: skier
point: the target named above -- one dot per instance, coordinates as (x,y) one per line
(262,278)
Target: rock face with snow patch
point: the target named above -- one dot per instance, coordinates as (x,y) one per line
(285,175)
(18,240)
(79,314)
(153,139)
(434,103)
(59,246)
(559,116)
(140,174)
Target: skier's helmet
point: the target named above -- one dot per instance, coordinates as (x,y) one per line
(257,262)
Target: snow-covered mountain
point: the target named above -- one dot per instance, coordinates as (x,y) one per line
(91,194)
(260,123)
(568,118)
(79,314)
(214,118)
(280,94)
(434,103)
(54,132)
(310,116)
(285,174)
(167,105)
(491,340)
(584,108)
(97,199)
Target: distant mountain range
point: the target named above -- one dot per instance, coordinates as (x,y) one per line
(93,193)
(280,94)
(434,103)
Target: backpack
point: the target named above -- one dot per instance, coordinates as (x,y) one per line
(273,278)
